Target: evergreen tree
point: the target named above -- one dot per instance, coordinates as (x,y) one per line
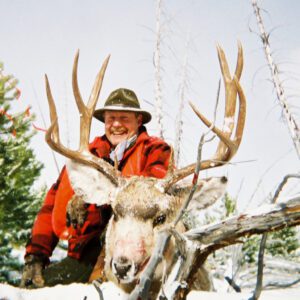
(19,169)
(282,243)
(279,243)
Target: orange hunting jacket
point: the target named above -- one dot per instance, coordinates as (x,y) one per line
(148,157)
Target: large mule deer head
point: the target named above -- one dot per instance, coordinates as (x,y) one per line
(144,206)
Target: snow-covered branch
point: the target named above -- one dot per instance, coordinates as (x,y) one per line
(266,218)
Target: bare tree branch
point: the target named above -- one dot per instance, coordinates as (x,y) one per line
(266,218)
(97,286)
(157,65)
(178,133)
(260,268)
(141,291)
(263,241)
(45,126)
(288,116)
(212,237)
(282,184)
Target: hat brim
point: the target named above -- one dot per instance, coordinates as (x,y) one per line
(99,113)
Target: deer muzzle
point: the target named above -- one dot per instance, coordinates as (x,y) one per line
(124,269)
(128,259)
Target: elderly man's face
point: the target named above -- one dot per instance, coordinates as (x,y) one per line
(121,125)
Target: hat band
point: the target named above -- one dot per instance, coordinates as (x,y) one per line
(119,103)
(122,107)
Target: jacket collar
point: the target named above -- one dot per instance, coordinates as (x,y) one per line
(142,136)
(102,147)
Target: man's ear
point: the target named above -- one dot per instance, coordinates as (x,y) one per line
(140,119)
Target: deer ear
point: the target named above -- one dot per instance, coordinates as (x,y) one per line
(92,185)
(208,191)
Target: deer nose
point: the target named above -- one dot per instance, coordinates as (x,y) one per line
(122,267)
(224,179)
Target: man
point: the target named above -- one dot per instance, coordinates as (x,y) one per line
(126,142)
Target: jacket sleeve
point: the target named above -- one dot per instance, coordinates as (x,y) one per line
(43,240)
(157,155)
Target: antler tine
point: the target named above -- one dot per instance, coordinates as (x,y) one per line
(52,134)
(86,111)
(76,91)
(97,87)
(240,62)
(230,95)
(230,92)
(223,137)
(241,116)
(83,155)
(228,145)
(53,129)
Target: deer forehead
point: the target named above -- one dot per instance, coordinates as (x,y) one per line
(141,198)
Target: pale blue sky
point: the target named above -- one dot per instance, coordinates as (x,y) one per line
(40,37)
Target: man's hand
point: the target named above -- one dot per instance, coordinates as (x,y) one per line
(32,273)
(76,212)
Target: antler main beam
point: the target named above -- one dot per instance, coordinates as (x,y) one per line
(229,142)
(82,155)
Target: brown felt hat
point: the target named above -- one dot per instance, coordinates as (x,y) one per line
(122,100)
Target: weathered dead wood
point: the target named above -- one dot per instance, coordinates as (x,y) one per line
(158,70)
(264,219)
(182,96)
(199,243)
(282,264)
(276,275)
(289,117)
(269,218)
(260,267)
(206,239)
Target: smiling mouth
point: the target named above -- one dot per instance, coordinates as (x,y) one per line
(118,132)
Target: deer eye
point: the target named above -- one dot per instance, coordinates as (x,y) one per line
(115,217)
(159,220)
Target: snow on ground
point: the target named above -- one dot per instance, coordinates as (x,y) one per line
(74,291)
(78,291)
(284,294)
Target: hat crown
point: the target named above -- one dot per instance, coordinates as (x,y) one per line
(122,98)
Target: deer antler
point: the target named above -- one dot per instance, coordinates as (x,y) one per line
(228,145)
(83,155)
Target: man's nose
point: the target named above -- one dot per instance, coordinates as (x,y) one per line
(116,123)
